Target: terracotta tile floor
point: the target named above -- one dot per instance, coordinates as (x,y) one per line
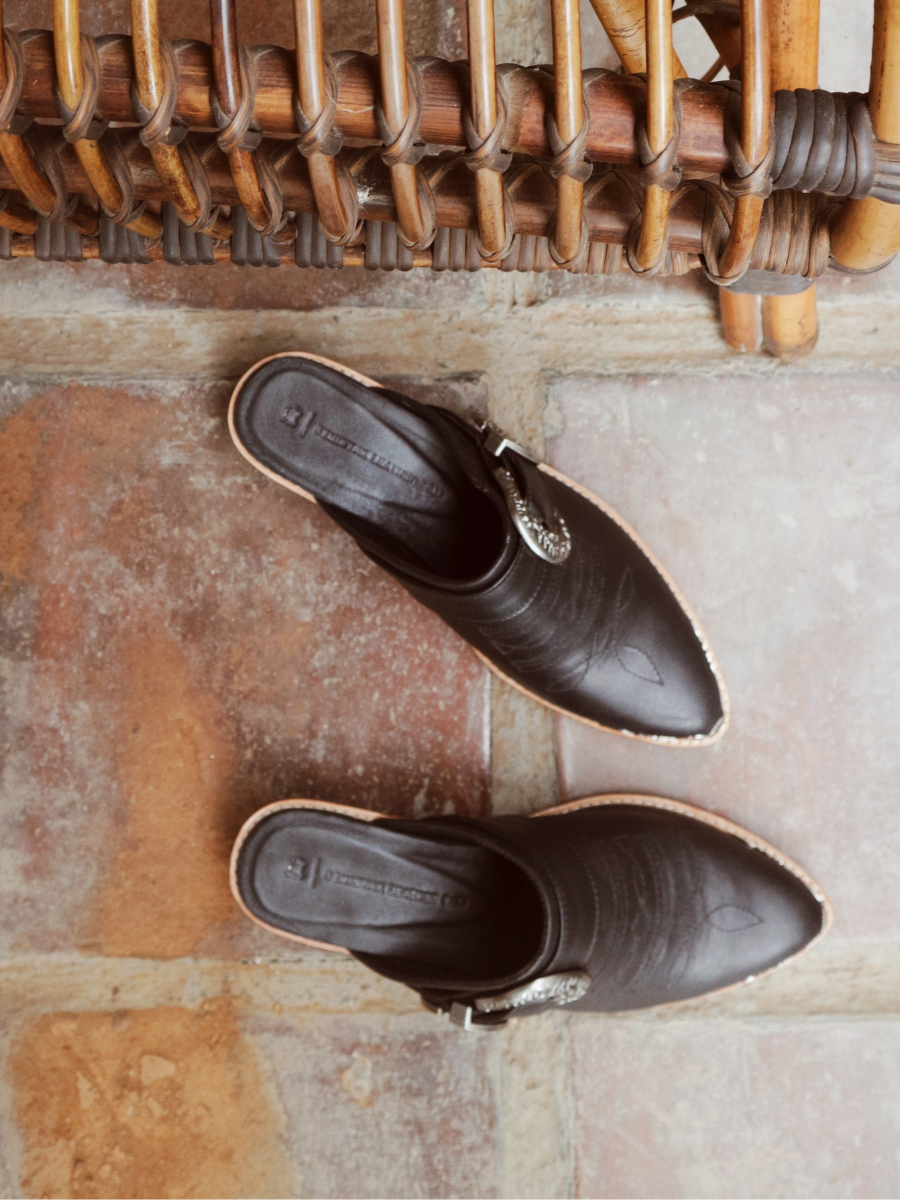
(183,641)
(189,640)
(775,507)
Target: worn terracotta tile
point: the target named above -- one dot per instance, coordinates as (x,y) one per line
(287,287)
(228,287)
(730,1109)
(161,1102)
(185,641)
(377,1108)
(774,504)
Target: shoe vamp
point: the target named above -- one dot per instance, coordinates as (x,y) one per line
(602,634)
(677,920)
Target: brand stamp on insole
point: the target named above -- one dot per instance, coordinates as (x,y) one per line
(302,871)
(298,419)
(302,421)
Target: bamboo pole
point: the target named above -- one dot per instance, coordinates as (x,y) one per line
(625,25)
(229,91)
(616,103)
(483,87)
(651,247)
(791,327)
(568,96)
(395,102)
(335,214)
(755,132)
(866,235)
(70,74)
(741,316)
(790,323)
(149,80)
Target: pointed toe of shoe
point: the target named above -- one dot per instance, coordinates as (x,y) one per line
(754,913)
(658,680)
(690,904)
(765,917)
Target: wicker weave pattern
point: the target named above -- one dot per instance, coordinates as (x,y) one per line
(261,156)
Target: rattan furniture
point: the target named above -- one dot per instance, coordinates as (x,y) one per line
(137,149)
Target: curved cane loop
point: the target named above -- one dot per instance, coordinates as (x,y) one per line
(154,97)
(718,215)
(238,132)
(743,179)
(568,157)
(27,151)
(484,124)
(11,120)
(488,153)
(233,100)
(13,125)
(568,162)
(44,154)
(571,161)
(256,177)
(398,116)
(658,144)
(752,152)
(404,148)
(192,161)
(793,237)
(663,170)
(567,131)
(81,121)
(131,212)
(315,110)
(77,95)
(158,125)
(320,135)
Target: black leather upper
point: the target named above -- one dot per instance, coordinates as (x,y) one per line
(601,635)
(655,906)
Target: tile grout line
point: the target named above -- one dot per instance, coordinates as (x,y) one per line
(515,343)
(535,1111)
(846,982)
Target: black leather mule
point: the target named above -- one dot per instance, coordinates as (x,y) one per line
(549,586)
(605,904)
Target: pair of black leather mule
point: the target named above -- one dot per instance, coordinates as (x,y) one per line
(604,904)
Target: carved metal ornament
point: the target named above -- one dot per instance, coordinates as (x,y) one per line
(561,989)
(545,535)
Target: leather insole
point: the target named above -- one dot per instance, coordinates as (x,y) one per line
(372,890)
(366,453)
